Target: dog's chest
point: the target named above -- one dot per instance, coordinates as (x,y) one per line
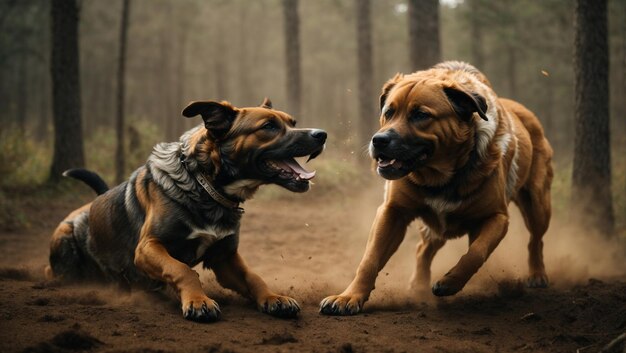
(207,236)
(440,210)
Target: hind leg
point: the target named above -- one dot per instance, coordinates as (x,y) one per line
(69,261)
(64,256)
(534,203)
(426,251)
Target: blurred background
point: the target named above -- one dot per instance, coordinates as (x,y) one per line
(323,61)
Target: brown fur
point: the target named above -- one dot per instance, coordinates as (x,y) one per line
(482,210)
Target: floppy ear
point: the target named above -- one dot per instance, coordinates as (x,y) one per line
(218,117)
(387,88)
(267,103)
(466,103)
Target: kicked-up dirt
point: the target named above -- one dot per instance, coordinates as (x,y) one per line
(308,246)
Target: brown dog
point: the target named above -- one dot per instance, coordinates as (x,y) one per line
(182,208)
(455,155)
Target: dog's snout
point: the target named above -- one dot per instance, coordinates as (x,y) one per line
(381,140)
(319,134)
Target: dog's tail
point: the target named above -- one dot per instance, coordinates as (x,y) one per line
(88,177)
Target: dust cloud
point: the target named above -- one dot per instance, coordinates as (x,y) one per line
(310,269)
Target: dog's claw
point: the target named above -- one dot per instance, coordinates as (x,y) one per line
(537,281)
(340,305)
(208,311)
(280,306)
(441,289)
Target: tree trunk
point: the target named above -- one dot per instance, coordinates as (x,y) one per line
(424,43)
(367,112)
(591,177)
(292,47)
(120,161)
(64,66)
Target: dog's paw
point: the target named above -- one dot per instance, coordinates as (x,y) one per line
(446,287)
(342,305)
(279,306)
(201,309)
(538,280)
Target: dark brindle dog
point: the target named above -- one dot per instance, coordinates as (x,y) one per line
(182,209)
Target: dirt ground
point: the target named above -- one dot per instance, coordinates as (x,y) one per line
(308,246)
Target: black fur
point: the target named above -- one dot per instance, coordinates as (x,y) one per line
(88,177)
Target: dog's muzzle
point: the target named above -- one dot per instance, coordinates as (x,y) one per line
(396,157)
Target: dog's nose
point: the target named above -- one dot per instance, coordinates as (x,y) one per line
(319,134)
(380,140)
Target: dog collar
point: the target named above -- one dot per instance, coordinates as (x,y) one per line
(215,195)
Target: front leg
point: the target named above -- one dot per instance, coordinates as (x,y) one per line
(386,235)
(236,275)
(482,244)
(152,258)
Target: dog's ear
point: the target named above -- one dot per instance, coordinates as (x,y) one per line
(267,103)
(387,88)
(465,104)
(218,116)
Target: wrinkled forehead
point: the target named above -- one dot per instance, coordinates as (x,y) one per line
(414,91)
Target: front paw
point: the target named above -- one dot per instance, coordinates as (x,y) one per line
(201,308)
(279,306)
(538,280)
(342,305)
(447,286)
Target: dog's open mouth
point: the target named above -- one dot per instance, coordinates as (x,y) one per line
(384,162)
(290,168)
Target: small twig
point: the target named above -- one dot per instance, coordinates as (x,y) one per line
(614,343)
(585,347)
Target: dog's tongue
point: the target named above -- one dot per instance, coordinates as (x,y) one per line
(296,168)
(392,162)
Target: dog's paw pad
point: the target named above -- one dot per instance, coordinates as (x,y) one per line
(279,306)
(202,310)
(341,305)
(538,281)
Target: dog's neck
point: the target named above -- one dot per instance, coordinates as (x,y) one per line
(460,180)
(204,157)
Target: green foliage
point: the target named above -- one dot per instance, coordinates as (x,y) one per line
(23,160)
(141,136)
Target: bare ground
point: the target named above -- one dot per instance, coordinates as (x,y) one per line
(308,246)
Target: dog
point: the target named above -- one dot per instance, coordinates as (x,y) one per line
(182,208)
(454,155)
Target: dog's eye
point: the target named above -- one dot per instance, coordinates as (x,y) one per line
(419,115)
(389,113)
(270,125)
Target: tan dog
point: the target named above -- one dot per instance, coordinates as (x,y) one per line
(455,155)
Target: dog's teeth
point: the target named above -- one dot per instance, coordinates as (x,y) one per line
(392,161)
